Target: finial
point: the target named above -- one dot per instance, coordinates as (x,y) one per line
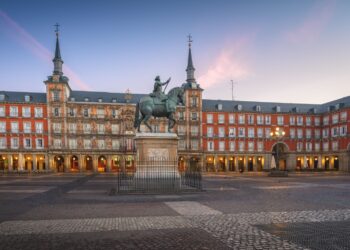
(57,28)
(189,40)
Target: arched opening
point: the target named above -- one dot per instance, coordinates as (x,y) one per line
(129,163)
(279,151)
(115,166)
(40,162)
(326,163)
(250,164)
(28,163)
(221,163)
(231,164)
(88,163)
(3,163)
(316,162)
(74,163)
(259,163)
(336,163)
(181,164)
(241,164)
(59,163)
(102,163)
(210,164)
(194,163)
(15,162)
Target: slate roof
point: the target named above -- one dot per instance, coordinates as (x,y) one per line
(12,96)
(107,97)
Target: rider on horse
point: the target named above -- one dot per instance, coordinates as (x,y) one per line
(157,89)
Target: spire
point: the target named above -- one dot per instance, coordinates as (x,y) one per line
(190,69)
(57,60)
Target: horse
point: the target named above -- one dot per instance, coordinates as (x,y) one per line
(151,106)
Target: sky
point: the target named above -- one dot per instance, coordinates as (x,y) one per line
(273,50)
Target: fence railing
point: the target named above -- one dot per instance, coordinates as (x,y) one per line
(158,176)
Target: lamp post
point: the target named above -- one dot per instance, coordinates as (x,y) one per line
(277,135)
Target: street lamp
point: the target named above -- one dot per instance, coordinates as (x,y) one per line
(277,135)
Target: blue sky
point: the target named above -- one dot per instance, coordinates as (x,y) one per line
(286,51)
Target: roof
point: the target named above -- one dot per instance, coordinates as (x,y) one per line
(107,97)
(12,96)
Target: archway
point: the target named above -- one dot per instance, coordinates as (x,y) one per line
(210,163)
(15,162)
(3,162)
(74,163)
(59,163)
(194,163)
(241,164)
(336,163)
(279,151)
(259,163)
(181,164)
(102,163)
(40,162)
(115,166)
(326,163)
(28,163)
(231,164)
(88,163)
(250,164)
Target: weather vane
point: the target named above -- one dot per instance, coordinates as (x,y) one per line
(57,28)
(189,40)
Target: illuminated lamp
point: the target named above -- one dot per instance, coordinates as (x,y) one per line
(3,157)
(240,158)
(327,158)
(336,158)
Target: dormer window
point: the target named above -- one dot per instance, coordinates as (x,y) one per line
(278,109)
(2,97)
(99,99)
(258,108)
(72,99)
(219,106)
(27,98)
(114,100)
(337,106)
(86,99)
(239,107)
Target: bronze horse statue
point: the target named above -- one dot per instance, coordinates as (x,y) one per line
(152,106)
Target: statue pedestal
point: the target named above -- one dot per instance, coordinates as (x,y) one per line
(157,156)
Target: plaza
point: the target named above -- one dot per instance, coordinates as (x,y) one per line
(237,211)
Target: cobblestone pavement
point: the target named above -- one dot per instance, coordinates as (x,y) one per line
(240,212)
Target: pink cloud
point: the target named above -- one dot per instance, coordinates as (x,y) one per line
(29,42)
(315,22)
(228,65)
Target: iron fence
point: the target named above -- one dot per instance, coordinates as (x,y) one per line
(158,176)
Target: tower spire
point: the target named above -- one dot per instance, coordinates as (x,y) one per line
(190,69)
(57,60)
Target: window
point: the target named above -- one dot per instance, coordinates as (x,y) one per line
(100,113)
(250,146)
(181,130)
(239,107)
(260,120)
(325,146)
(279,120)
(56,112)
(221,132)
(14,143)
(72,127)
(260,146)
(308,146)
(299,146)
(87,128)
(258,108)
(251,132)
(241,146)
(260,132)
(56,127)
(2,97)
(193,101)
(27,143)
(278,109)
(300,133)
(101,144)
(115,113)
(2,142)
(210,146)
(241,132)
(250,119)
(334,131)
(182,144)
(221,146)
(2,127)
(86,112)
(115,129)
(38,112)
(71,112)
(317,134)
(292,120)
(87,144)
(267,120)
(13,111)
(343,131)
(194,130)
(100,100)
(308,134)
(14,127)
(317,146)
(221,119)
(2,111)
(26,111)
(116,144)
(308,121)
(292,133)
(210,118)
(267,132)
(194,144)
(335,118)
(181,116)
(39,143)
(317,121)
(194,116)
(100,128)
(210,131)
(335,145)
(326,120)
(232,146)
(231,118)
(325,133)
(241,119)
(343,116)
(55,95)
(232,132)
(57,143)
(27,127)
(86,99)
(300,120)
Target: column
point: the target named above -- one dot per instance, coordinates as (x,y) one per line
(108,159)
(81,163)
(226,163)
(67,163)
(10,163)
(235,159)
(255,163)
(34,168)
(95,163)
(216,163)
(245,163)
(20,162)
(122,163)
(47,162)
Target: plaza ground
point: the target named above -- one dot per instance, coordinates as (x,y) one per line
(237,211)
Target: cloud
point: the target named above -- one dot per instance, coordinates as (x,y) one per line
(315,22)
(228,65)
(21,36)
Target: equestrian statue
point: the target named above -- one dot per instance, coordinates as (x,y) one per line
(159,104)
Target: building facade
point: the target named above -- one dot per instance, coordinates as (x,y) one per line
(63,130)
